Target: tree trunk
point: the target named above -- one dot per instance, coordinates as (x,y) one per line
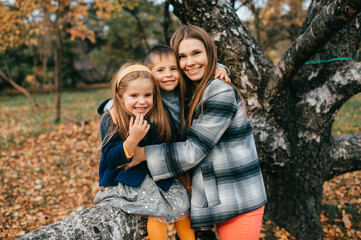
(20,89)
(102,221)
(58,58)
(140,27)
(292,106)
(166,23)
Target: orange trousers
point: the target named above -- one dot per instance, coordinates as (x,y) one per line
(246,226)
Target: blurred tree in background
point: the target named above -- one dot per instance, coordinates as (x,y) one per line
(98,36)
(275,24)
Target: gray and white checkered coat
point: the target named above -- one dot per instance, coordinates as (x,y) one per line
(221,152)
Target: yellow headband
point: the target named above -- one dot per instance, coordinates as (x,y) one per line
(130,69)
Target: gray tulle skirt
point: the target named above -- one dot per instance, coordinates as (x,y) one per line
(148,199)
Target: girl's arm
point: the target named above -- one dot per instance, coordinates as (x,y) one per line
(219,108)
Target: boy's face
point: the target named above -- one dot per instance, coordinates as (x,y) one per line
(166,72)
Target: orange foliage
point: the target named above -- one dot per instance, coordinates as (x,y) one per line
(24,22)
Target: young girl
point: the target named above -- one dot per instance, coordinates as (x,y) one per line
(137,99)
(227,184)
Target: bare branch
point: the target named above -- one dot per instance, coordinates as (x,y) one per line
(20,89)
(322,28)
(345,155)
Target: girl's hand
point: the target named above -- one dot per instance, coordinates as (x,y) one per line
(221,73)
(138,128)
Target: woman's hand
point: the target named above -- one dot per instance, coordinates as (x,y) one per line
(221,73)
(138,157)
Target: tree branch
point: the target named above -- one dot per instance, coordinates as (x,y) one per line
(345,155)
(140,26)
(20,89)
(102,221)
(329,97)
(346,81)
(321,29)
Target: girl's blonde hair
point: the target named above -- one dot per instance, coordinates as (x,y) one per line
(122,116)
(198,33)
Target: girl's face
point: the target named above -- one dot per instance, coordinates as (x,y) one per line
(166,72)
(138,96)
(193,58)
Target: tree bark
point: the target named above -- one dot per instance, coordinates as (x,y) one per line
(292,106)
(102,221)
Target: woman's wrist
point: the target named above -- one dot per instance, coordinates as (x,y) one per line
(130,146)
(139,154)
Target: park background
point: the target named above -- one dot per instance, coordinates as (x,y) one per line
(49,125)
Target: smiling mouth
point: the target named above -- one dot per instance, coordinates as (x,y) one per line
(141,109)
(168,81)
(193,70)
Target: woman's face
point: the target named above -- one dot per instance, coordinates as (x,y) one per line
(193,59)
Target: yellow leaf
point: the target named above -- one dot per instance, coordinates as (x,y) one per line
(346,221)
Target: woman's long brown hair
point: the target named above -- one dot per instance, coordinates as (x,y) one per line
(194,32)
(197,91)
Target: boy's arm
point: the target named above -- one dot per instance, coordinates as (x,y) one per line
(109,105)
(222,72)
(220,65)
(105,106)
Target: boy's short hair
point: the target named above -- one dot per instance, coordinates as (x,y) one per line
(159,51)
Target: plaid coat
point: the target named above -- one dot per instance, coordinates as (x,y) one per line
(220,149)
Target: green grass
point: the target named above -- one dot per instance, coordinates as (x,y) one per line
(18,120)
(348,119)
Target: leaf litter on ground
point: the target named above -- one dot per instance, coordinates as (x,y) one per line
(49,172)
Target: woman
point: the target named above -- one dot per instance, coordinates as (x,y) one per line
(227,184)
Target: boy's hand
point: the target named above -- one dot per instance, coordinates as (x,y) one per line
(186,181)
(221,73)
